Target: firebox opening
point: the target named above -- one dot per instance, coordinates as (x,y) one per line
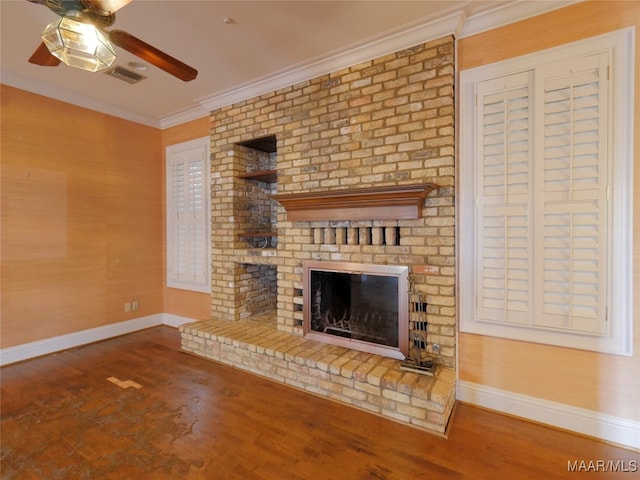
(360,306)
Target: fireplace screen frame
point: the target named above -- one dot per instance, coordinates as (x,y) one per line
(401,272)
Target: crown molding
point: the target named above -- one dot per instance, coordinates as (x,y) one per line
(510,13)
(23,83)
(183,116)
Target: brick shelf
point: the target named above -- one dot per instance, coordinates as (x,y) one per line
(269,176)
(366,381)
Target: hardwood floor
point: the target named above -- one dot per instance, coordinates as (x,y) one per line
(73,415)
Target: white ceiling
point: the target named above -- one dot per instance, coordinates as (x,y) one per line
(265,45)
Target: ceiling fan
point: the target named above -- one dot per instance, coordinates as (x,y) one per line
(76,16)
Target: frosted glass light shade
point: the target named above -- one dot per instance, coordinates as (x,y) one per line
(79,44)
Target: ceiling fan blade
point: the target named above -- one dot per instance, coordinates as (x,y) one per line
(43,57)
(152,55)
(106,7)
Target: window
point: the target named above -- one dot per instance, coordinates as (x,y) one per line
(188,219)
(546,196)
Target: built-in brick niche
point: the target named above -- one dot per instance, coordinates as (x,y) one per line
(257,291)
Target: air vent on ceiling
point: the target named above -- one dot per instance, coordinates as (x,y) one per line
(125,75)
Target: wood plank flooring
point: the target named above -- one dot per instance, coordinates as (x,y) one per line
(136,407)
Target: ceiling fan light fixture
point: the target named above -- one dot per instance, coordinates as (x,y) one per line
(78,43)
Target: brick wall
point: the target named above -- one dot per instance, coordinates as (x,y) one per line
(387,121)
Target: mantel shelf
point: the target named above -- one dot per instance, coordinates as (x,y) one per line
(393,202)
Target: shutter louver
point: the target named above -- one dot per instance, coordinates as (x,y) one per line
(572,176)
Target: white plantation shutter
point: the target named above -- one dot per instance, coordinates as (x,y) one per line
(572,178)
(563,183)
(188,216)
(545,197)
(502,206)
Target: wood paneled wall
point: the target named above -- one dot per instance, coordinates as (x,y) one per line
(81,210)
(182,302)
(603,383)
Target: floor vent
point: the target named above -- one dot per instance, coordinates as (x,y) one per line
(125,75)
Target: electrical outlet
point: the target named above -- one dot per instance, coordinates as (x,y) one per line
(134,305)
(127,307)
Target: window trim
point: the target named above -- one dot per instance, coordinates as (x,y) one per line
(203,144)
(620,340)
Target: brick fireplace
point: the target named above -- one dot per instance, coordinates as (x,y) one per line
(388,122)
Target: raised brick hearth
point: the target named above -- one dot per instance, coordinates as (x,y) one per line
(362,380)
(383,124)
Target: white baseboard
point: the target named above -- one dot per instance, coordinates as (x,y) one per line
(55,344)
(175,320)
(587,422)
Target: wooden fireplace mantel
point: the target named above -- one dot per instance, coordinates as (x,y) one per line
(393,202)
